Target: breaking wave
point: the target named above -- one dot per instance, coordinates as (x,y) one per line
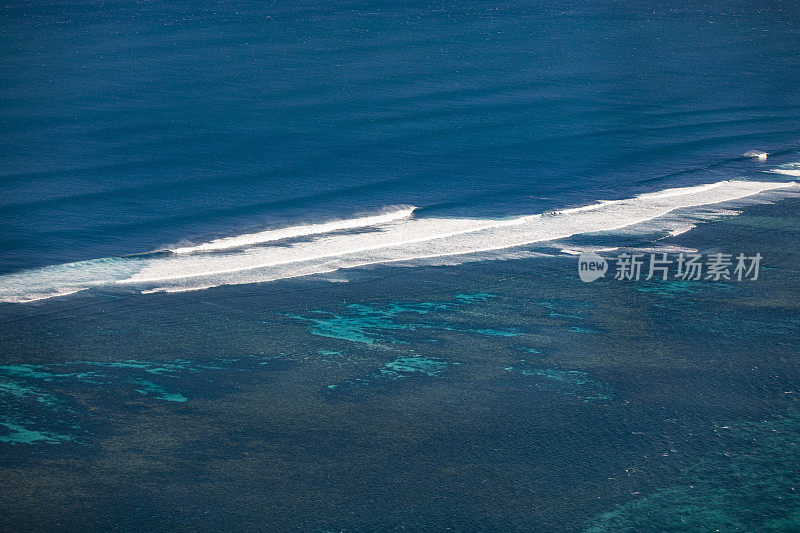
(789,169)
(293,232)
(397,237)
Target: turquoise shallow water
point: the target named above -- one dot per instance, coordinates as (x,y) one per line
(500,396)
(32,396)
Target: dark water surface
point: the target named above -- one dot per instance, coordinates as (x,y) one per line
(522,400)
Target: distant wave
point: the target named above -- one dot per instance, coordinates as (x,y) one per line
(396,237)
(789,169)
(756,154)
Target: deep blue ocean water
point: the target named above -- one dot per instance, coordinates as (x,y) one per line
(129,127)
(334,381)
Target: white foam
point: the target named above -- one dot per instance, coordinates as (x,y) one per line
(596,249)
(756,154)
(681,230)
(787,171)
(36,296)
(400,241)
(293,232)
(664,249)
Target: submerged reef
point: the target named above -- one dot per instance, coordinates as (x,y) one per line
(384,325)
(379,325)
(569,314)
(573,383)
(400,368)
(39,403)
(372,324)
(404,366)
(747,483)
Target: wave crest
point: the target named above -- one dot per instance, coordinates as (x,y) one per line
(397,238)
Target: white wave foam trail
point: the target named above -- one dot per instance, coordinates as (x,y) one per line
(404,241)
(32,297)
(293,232)
(789,169)
(61,280)
(674,232)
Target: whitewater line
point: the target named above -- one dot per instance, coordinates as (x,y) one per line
(404,239)
(291,232)
(752,188)
(511,222)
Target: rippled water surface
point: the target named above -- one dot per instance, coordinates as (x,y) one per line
(310,266)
